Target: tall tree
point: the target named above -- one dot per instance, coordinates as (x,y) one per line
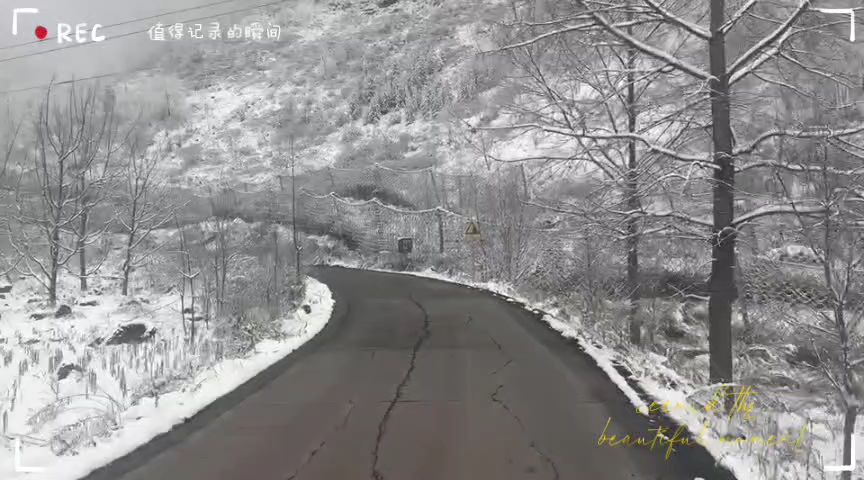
(292,125)
(680,49)
(835,238)
(586,89)
(94,161)
(144,205)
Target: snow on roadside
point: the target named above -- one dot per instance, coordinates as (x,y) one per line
(653,377)
(136,422)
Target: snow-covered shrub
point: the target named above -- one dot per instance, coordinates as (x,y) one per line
(253,307)
(69,439)
(351,134)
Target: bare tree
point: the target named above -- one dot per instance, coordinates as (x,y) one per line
(680,49)
(295,239)
(509,243)
(63,198)
(9,179)
(188,274)
(273,287)
(95,162)
(145,206)
(836,238)
(220,243)
(290,125)
(587,81)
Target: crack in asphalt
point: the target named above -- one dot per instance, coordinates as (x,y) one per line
(499,401)
(498,345)
(397,397)
(496,399)
(323,443)
(500,351)
(502,367)
(533,445)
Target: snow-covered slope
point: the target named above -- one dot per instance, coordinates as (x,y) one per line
(82,389)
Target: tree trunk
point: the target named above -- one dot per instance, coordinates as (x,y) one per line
(192,308)
(56,220)
(633,203)
(848,431)
(223,273)
(294,216)
(130,241)
(723,233)
(743,291)
(633,280)
(276,265)
(127,264)
(54,267)
(183,305)
(52,287)
(440,232)
(82,252)
(216,288)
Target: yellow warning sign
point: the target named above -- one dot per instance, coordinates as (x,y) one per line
(473,228)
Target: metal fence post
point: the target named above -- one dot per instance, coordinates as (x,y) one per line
(379,227)
(440,215)
(474,193)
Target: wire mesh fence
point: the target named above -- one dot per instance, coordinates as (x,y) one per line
(415,189)
(538,248)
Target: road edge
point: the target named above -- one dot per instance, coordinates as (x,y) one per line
(180,431)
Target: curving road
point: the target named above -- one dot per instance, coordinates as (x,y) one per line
(415,379)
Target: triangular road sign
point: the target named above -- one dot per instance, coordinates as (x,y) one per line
(473,228)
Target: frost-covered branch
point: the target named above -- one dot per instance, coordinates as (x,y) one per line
(652,147)
(796,168)
(692,28)
(667,214)
(767,47)
(821,133)
(647,49)
(769,210)
(737,16)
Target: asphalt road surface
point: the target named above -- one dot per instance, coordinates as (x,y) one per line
(415,379)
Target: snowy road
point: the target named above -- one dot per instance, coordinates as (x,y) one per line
(415,379)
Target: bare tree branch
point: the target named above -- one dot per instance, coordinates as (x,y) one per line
(691,28)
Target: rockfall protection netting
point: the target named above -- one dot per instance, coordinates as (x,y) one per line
(512,253)
(415,189)
(536,248)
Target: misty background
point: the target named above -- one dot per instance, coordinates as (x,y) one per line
(27,63)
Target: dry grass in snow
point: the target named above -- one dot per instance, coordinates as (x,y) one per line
(79,398)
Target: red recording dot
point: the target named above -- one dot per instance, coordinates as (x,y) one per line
(41,32)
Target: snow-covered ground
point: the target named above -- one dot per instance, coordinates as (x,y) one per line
(105,406)
(820,444)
